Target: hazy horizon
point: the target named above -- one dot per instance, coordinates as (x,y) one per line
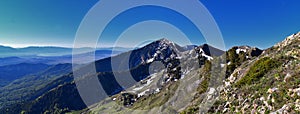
(55,23)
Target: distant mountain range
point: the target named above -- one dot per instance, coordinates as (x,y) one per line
(47,51)
(53,55)
(28,81)
(13,72)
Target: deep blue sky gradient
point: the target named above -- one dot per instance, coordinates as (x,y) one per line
(260,23)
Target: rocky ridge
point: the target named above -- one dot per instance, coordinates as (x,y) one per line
(274,91)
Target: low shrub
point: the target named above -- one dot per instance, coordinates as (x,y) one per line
(258,70)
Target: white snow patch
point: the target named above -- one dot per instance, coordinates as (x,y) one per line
(150,60)
(143,93)
(149,81)
(178,57)
(138,88)
(155,54)
(239,50)
(208,57)
(157,90)
(190,52)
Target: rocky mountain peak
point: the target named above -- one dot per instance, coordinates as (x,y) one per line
(160,43)
(165,40)
(290,39)
(294,36)
(164,43)
(210,50)
(248,50)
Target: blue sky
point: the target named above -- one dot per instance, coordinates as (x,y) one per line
(260,23)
